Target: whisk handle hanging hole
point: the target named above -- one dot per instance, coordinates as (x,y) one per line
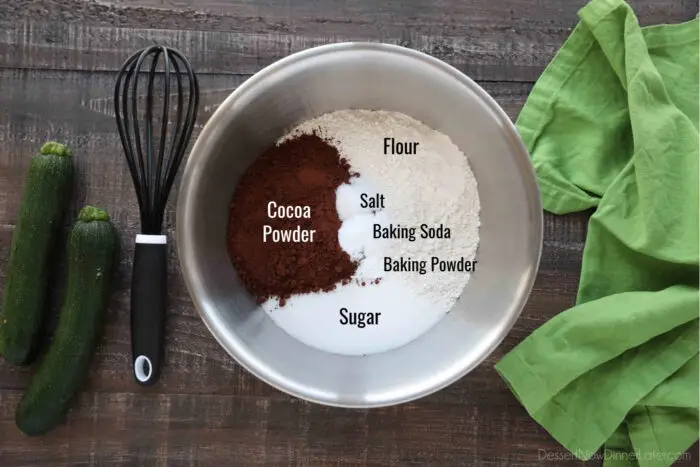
(148,304)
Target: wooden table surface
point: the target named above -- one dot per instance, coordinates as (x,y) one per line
(58,60)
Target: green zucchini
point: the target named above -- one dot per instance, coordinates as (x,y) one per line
(91,257)
(45,197)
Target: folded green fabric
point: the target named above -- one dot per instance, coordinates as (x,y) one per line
(612,124)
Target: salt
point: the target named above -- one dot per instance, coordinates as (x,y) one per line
(432,187)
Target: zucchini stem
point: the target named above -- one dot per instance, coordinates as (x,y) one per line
(90,213)
(56,149)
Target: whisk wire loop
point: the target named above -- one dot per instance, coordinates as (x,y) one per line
(124,126)
(188,123)
(149,128)
(178,117)
(156,183)
(137,135)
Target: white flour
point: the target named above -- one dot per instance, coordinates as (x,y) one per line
(434,186)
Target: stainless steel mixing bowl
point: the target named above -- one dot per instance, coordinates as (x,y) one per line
(366,76)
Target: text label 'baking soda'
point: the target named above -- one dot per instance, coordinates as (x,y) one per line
(399,232)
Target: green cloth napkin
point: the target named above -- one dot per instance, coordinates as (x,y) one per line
(612,124)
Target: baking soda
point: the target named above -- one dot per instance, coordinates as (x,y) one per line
(427,224)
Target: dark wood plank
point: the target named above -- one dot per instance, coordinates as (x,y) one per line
(415,13)
(225,430)
(330,16)
(486,55)
(476,37)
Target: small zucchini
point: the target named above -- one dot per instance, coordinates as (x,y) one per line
(92,247)
(45,196)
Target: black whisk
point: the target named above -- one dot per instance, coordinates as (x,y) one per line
(153,162)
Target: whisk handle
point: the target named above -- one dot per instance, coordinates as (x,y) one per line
(148,297)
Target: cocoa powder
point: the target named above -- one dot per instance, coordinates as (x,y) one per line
(303,171)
